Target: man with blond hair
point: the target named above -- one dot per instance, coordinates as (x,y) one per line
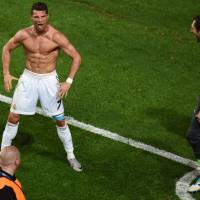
(10,187)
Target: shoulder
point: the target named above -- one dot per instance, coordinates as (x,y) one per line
(18,183)
(22,34)
(59,37)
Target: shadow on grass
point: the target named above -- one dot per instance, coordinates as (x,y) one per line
(28,143)
(173,121)
(23,140)
(51,154)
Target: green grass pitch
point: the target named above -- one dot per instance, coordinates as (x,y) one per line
(139,77)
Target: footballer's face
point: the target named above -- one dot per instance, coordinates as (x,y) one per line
(40,20)
(195,31)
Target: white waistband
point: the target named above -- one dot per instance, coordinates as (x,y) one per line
(28,72)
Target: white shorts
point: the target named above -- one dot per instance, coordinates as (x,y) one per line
(32,87)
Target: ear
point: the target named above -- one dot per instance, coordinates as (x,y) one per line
(17,162)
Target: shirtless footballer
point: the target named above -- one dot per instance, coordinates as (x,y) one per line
(41,43)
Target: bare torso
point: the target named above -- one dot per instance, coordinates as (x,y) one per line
(41,51)
(41,43)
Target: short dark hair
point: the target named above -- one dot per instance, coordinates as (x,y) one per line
(39,6)
(197,22)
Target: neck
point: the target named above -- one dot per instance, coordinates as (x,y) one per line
(9,170)
(38,32)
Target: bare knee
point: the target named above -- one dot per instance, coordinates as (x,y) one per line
(13,118)
(60,123)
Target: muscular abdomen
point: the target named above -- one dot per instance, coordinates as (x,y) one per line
(41,63)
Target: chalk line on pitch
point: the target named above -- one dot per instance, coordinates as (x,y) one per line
(181,185)
(117,137)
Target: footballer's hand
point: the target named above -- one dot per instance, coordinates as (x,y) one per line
(64,88)
(8,82)
(198,116)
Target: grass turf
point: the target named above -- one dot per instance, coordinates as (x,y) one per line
(139,77)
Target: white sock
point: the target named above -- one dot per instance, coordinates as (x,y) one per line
(9,134)
(66,138)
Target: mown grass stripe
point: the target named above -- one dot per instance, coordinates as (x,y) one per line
(117,137)
(181,186)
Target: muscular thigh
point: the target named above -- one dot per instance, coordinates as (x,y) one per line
(25,96)
(48,95)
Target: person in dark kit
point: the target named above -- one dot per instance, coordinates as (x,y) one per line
(193,134)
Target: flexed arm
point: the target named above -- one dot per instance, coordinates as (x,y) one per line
(69,50)
(13,43)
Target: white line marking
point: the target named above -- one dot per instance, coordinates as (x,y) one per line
(117,137)
(131,142)
(183,184)
(180,190)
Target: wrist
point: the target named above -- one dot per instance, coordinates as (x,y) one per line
(69,80)
(6,73)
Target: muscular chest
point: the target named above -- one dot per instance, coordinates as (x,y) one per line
(40,44)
